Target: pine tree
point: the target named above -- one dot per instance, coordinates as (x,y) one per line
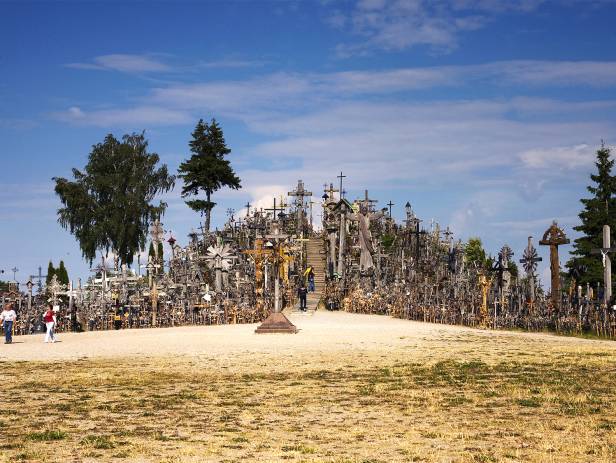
(207,169)
(51,271)
(62,274)
(474,253)
(599,210)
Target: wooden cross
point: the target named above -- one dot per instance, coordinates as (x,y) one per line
(416,233)
(554,237)
(300,193)
(367,202)
(607,263)
(247,206)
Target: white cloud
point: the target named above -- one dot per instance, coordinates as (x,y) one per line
(137,118)
(349,120)
(124,63)
(394,25)
(558,158)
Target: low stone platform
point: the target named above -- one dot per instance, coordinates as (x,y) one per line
(276,323)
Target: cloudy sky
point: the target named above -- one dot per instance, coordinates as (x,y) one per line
(484,114)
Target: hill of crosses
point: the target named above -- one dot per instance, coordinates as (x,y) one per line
(358,260)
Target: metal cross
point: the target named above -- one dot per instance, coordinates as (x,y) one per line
(341,177)
(390,204)
(39,277)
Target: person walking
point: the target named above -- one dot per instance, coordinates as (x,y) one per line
(8,317)
(311,280)
(302,292)
(50,320)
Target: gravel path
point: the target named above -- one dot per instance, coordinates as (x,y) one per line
(319,333)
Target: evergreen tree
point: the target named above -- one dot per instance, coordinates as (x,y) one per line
(599,210)
(109,205)
(207,170)
(474,253)
(51,271)
(62,274)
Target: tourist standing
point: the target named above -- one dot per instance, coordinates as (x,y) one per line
(50,321)
(8,317)
(302,292)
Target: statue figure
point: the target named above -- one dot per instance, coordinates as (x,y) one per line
(363,218)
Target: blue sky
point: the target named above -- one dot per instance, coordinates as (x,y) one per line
(484,114)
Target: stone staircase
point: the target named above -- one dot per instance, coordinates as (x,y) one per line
(315,258)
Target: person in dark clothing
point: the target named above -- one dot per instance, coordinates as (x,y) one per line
(302,292)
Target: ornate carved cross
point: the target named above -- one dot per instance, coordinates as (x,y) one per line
(554,237)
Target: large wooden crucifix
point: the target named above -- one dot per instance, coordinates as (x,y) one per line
(554,237)
(367,202)
(607,263)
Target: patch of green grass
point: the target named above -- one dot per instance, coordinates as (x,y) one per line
(46,436)
(27,455)
(606,426)
(532,402)
(98,442)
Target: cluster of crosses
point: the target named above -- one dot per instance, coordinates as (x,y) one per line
(361,259)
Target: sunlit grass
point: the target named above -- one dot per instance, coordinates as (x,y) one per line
(466,398)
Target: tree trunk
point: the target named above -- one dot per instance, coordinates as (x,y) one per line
(208,213)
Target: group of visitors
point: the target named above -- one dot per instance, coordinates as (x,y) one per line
(8,317)
(302,291)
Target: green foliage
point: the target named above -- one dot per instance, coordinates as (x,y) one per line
(599,210)
(474,253)
(387,241)
(4,285)
(51,271)
(62,274)
(513,269)
(47,435)
(207,170)
(109,205)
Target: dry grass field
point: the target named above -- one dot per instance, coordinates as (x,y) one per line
(347,388)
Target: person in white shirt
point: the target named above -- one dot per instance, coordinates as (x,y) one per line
(8,317)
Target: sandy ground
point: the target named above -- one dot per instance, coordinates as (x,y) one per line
(320,332)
